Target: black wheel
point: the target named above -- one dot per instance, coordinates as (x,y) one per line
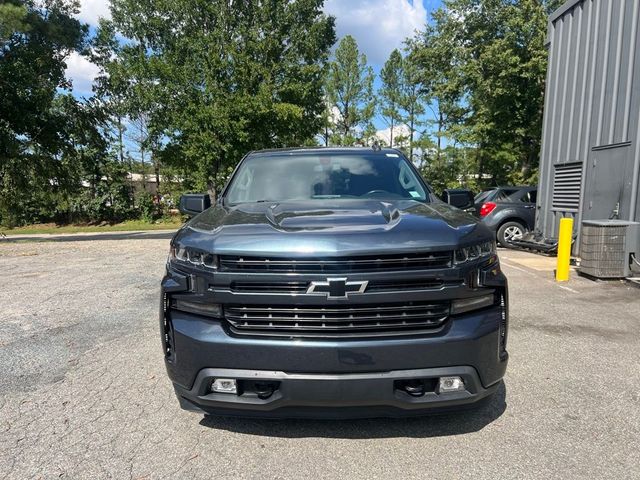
(510,231)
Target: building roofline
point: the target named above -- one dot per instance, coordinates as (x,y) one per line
(566,7)
(563,9)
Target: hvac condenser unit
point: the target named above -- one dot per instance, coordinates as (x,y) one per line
(608,248)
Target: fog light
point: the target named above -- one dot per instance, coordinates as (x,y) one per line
(208,309)
(224,385)
(469,304)
(450,384)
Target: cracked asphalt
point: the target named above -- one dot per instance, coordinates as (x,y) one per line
(83,391)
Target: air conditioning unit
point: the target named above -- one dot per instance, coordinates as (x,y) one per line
(608,247)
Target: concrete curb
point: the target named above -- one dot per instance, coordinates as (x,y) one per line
(89,236)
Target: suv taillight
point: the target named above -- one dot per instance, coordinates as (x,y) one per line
(487,208)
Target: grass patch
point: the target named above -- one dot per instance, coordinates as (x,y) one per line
(130,225)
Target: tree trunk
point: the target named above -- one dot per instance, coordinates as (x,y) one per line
(345,120)
(439,148)
(480,161)
(156,171)
(529,159)
(120,141)
(144,173)
(121,156)
(411,130)
(391,134)
(211,187)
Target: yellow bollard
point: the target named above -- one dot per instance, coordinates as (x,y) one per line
(564,249)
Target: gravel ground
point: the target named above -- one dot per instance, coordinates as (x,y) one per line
(83,392)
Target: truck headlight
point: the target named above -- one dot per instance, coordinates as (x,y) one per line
(193,257)
(474,252)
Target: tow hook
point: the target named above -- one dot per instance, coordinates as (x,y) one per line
(264,390)
(414,388)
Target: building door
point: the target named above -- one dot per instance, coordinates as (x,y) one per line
(605,184)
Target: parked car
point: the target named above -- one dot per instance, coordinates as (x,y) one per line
(332,283)
(508,211)
(460,198)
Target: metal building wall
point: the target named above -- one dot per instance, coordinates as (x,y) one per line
(590,151)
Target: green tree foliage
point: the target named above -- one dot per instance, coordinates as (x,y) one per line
(187,87)
(219,78)
(390,93)
(442,88)
(35,37)
(411,100)
(349,86)
(484,65)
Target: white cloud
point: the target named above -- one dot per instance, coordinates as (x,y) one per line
(92,10)
(378,26)
(384,135)
(81,72)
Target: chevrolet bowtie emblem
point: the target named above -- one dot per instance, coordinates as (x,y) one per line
(337,288)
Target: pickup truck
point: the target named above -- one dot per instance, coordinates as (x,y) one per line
(331,283)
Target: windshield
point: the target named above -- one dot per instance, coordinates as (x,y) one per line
(304,176)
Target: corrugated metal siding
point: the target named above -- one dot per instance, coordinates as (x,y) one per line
(567,185)
(592,101)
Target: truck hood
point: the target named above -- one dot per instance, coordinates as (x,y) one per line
(339,227)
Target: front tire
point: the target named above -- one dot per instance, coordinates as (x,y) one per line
(510,231)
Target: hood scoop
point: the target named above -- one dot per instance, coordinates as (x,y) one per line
(366,214)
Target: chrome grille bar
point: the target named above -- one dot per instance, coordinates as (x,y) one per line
(433,260)
(318,321)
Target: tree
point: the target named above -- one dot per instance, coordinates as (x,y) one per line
(35,37)
(221,78)
(490,54)
(430,53)
(411,100)
(390,93)
(350,92)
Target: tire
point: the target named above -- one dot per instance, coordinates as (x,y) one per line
(509,231)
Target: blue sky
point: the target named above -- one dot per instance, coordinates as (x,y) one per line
(379,26)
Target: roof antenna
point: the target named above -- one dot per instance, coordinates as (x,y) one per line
(376,146)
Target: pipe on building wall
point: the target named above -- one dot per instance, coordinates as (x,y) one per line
(634,178)
(585,124)
(636,161)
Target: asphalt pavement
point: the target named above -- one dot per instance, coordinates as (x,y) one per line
(83,391)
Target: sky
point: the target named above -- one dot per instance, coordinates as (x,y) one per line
(378,26)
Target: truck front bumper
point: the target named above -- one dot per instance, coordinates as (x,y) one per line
(335,378)
(349,395)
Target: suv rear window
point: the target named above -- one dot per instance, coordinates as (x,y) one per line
(482,196)
(504,194)
(529,197)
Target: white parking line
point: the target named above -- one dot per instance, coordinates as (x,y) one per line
(542,278)
(518,268)
(567,288)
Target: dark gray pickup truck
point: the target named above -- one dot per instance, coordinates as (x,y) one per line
(331,283)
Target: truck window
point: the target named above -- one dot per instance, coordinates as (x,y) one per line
(286,177)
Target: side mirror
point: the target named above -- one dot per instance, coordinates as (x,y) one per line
(193,203)
(459,198)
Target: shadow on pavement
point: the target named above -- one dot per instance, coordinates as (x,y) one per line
(150,235)
(417,427)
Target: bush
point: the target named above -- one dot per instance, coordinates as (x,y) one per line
(148,206)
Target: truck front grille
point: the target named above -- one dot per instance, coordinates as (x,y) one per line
(297,287)
(420,261)
(337,321)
